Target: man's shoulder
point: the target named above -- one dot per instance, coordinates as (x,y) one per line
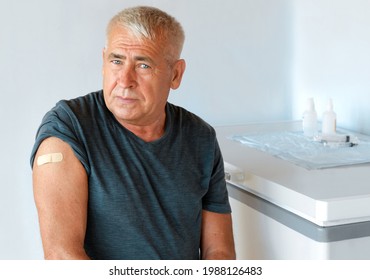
(185,115)
(83,102)
(83,110)
(189,120)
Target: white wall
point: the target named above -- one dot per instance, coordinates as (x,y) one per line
(332,59)
(247,61)
(238,60)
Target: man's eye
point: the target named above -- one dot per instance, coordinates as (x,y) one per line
(115,61)
(144,66)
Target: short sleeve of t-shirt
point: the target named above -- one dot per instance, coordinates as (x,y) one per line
(61,122)
(216,199)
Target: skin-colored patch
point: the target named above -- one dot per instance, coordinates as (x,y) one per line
(49,158)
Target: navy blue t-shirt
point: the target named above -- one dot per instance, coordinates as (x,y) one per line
(145,198)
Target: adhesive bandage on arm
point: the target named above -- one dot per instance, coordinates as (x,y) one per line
(49,158)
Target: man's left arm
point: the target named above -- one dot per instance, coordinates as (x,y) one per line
(217,241)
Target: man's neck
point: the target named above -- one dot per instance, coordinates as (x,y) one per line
(148,132)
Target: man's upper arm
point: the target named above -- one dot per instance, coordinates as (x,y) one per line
(217,236)
(61,194)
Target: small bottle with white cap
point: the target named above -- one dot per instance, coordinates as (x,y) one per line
(329,120)
(309,121)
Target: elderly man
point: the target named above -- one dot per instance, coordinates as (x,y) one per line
(123,174)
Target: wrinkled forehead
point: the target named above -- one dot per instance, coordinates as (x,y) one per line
(119,35)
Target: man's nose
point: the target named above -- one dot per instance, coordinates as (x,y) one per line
(127,77)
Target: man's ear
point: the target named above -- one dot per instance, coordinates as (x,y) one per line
(177,73)
(103,56)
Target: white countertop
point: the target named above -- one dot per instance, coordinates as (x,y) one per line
(326,197)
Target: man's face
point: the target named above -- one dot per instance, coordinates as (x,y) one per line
(137,78)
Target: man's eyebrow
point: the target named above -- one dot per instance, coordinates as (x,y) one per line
(137,58)
(116,55)
(144,59)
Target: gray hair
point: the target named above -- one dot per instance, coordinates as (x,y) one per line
(153,24)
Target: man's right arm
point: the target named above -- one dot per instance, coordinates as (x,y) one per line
(61,195)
